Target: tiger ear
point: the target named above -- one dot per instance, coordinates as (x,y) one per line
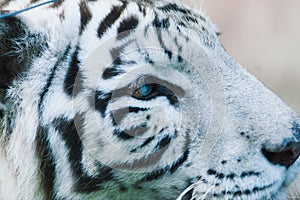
(17,48)
(12,61)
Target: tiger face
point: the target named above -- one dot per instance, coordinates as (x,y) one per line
(135,100)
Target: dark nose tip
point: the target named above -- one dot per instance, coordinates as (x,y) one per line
(285,155)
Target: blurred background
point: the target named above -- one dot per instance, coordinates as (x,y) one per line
(264,37)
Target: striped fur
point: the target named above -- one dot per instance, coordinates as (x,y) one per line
(129,99)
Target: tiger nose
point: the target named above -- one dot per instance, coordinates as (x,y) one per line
(286,155)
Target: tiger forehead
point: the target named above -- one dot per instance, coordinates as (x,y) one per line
(181,14)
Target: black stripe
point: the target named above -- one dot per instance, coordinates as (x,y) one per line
(242,192)
(110,19)
(137,131)
(51,77)
(101,101)
(115,69)
(118,115)
(190,19)
(73,79)
(116,56)
(154,175)
(147,141)
(163,142)
(171,7)
(70,131)
(249,173)
(169,54)
(179,162)
(173,167)
(116,53)
(159,25)
(112,72)
(46,162)
(85,15)
(187,13)
(127,26)
(136,109)
(142,9)
(179,57)
(43,149)
(57,3)
(4,3)
(122,135)
(34,1)
(158,173)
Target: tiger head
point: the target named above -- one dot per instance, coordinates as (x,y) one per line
(135,100)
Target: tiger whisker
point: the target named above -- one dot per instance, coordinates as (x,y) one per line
(189,188)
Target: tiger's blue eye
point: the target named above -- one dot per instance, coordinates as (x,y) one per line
(145,89)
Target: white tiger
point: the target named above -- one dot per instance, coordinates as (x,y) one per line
(125,99)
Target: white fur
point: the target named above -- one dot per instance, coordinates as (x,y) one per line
(220,101)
